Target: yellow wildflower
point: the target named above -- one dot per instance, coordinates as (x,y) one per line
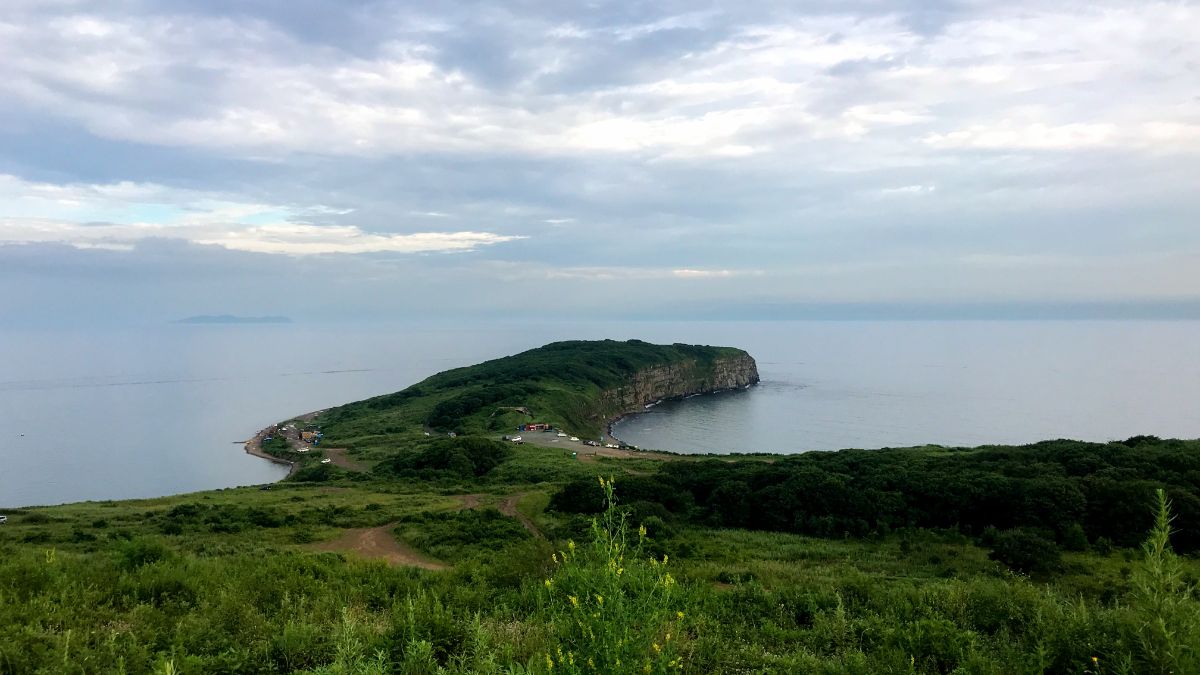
(549,583)
(600,599)
(574,601)
(679,614)
(571,545)
(642,531)
(554,557)
(657,649)
(549,662)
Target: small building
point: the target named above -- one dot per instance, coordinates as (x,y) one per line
(308,436)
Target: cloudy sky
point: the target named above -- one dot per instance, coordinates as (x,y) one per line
(336,158)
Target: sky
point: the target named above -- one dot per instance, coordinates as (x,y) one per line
(334,159)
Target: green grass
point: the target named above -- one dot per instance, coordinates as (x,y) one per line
(238,589)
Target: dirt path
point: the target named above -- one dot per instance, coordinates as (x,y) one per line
(338,457)
(470,502)
(378,543)
(509,508)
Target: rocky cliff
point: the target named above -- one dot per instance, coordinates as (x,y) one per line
(675,380)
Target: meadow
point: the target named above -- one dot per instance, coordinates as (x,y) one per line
(236,581)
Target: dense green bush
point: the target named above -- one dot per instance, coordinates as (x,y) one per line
(1026,551)
(455,535)
(1077,492)
(464,457)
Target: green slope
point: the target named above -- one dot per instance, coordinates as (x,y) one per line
(559,383)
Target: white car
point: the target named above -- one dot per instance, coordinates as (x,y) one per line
(326,460)
(562,435)
(517,439)
(575,438)
(610,445)
(3,520)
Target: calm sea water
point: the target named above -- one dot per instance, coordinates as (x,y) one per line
(122,413)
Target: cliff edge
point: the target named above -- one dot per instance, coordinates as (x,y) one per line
(677,380)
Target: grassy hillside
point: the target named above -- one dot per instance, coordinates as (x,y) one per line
(559,383)
(322,575)
(469,555)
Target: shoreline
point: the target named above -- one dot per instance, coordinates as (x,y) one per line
(608,426)
(254,445)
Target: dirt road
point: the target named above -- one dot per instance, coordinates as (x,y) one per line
(378,543)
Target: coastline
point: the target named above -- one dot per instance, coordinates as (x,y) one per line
(608,426)
(254,445)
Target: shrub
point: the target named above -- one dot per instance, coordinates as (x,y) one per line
(138,552)
(1074,538)
(1026,551)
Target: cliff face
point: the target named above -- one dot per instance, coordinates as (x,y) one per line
(683,378)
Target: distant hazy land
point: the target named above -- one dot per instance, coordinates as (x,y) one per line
(230,318)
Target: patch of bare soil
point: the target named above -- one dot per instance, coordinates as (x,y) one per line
(469,502)
(378,543)
(338,457)
(509,508)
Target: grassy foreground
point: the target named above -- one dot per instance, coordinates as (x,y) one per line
(245,580)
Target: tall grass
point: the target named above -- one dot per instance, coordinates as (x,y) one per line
(611,606)
(1165,610)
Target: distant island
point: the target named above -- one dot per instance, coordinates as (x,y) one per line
(230,318)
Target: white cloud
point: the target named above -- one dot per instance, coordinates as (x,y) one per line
(539,271)
(295,239)
(115,216)
(909,190)
(702,274)
(1026,137)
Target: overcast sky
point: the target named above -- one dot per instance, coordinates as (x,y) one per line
(334,158)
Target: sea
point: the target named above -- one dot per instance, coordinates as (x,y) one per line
(153,410)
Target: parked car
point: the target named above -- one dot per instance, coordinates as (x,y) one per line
(326,460)
(3,520)
(518,439)
(574,438)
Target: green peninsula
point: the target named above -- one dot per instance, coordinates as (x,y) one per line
(576,386)
(411,537)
